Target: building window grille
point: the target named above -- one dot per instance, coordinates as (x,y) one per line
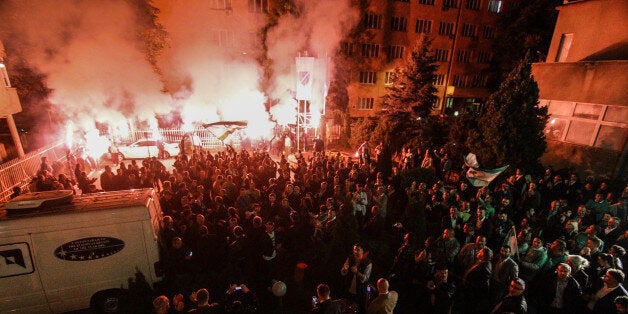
(368,77)
(423,26)
(484,57)
(446,29)
(468,30)
(395,52)
(426,2)
(373,21)
(439,80)
(463,56)
(450,3)
(399,24)
(388,78)
(370,50)
(365,103)
(473,5)
(441,55)
(258,6)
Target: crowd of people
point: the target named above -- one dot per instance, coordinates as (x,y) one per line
(332,225)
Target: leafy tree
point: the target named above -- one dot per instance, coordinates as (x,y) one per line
(150,34)
(409,100)
(511,130)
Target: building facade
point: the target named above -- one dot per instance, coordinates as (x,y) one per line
(461,33)
(584,84)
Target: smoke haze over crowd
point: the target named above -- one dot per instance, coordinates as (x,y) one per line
(92,55)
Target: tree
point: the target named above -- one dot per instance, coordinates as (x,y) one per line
(524,26)
(511,130)
(410,98)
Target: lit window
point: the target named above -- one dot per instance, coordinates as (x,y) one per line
(439,79)
(563,47)
(495,6)
(388,80)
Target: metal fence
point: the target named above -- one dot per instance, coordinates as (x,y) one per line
(208,139)
(18,172)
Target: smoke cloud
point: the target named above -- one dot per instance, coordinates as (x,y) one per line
(93,58)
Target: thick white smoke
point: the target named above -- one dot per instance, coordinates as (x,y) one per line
(92,57)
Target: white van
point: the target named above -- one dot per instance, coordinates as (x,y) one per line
(63,257)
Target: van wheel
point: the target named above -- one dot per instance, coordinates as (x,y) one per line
(108,301)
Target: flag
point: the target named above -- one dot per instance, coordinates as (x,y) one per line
(305,69)
(483,177)
(222,129)
(511,241)
(471,160)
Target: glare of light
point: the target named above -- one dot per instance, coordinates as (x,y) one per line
(1,65)
(154,129)
(553,121)
(315,120)
(285,112)
(69,134)
(456,113)
(95,144)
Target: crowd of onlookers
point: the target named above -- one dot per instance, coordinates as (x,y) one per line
(240,222)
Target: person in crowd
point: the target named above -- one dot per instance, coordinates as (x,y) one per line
(514,302)
(440,292)
(357,268)
(385,301)
(476,283)
(323,303)
(447,248)
(161,305)
(468,253)
(559,292)
(602,301)
(504,271)
(201,299)
(531,264)
(621,304)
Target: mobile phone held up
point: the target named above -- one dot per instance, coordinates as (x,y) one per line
(190,254)
(314,300)
(238,287)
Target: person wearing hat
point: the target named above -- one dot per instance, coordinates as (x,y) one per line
(603,300)
(514,301)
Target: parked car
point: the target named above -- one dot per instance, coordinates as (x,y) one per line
(147,148)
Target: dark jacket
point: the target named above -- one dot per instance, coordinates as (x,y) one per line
(546,290)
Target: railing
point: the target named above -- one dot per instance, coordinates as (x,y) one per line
(208,139)
(18,172)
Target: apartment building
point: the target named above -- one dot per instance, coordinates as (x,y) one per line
(584,83)
(461,30)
